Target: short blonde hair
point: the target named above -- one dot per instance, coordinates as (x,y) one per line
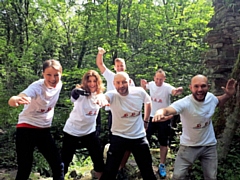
(119,60)
(161,71)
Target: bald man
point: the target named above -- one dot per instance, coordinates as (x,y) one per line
(198,138)
(128,127)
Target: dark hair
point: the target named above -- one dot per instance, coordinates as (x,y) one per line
(52,63)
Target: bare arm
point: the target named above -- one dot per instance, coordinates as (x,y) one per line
(147,111)
(15,101)
(229,90)
(99,60)
(143,83)
(177,91)
(164,114)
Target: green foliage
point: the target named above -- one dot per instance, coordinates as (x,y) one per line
(147,34)
(81,165)
(40,164)
(7,149)
(229,168)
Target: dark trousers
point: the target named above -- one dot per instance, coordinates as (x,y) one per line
(90,141)
(98,123)
(29,138)
(162,128)
(109,121)
(140,150)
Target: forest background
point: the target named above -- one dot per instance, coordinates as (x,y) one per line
(148,34)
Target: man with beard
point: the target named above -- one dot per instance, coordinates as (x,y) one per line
(128,127)
(119,66)
(198,139)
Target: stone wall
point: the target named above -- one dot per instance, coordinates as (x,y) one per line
(224,43)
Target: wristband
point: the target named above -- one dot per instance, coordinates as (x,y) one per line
(146,121)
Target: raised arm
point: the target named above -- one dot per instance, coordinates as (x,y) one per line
(229,90)
(15,101)
(99,60)
(164,114)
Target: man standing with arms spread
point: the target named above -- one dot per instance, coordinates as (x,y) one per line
(198,138)
(119,66)
(128,127)
(160,93)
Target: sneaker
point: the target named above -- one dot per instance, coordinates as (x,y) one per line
(162,171)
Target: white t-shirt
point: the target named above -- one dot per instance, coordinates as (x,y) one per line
(197,127)
(109,76)
(40,111)
(160,95)
(127,119)
(82,119)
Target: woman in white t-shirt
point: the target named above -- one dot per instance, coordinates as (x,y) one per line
(34,122)
(81,124)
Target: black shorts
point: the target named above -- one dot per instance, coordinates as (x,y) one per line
(163,130)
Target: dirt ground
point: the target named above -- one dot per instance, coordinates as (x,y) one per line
(86,172)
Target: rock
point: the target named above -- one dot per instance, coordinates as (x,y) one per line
(2,132)
(7,175)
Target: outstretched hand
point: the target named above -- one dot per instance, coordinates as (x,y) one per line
(101,50)
(101,100)
(82,92)
(230,88)
(21,100)
(177,91)
(160,116)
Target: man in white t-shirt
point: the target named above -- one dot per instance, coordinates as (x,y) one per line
(198,138)
(160,93)
(119,66)
(128,127)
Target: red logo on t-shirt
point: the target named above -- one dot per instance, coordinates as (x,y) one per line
(91,113)
(125,115)
(45,110)
(133,114)
(198,126)
(156,100)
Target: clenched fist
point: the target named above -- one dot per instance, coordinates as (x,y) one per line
(101,50)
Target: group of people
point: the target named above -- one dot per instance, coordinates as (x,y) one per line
(130,127)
